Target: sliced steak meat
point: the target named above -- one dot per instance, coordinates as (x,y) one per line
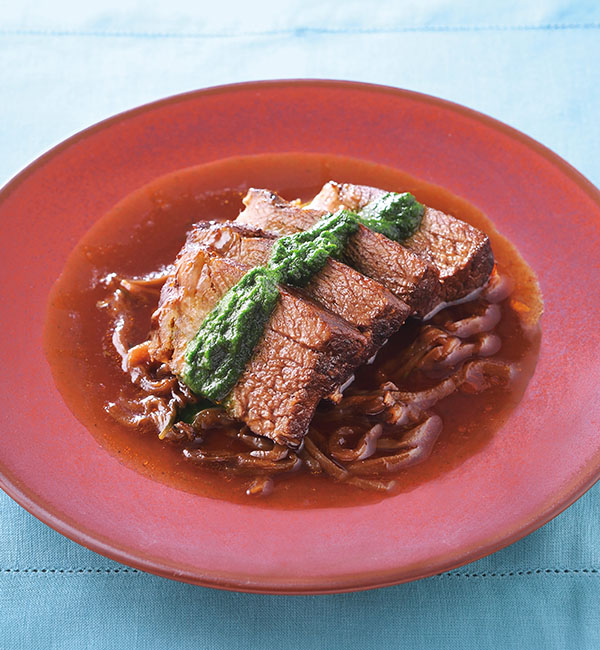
(410,277)
(287,377)
(244,244)
(461,253)
(304,354)
(334,196)
(359,300)
(414,280)
(247,245)
(269,212)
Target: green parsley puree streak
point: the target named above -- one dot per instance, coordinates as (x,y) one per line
(217,355)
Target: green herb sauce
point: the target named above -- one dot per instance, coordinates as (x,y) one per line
(216,357)
(397,216)
(297,258)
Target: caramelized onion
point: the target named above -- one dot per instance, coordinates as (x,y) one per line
(498,288)
(277,452)
(415,446)
(254,441)
(365,447)
(149,412)
(476,375)
(371,484)
(326,464)
(476,324)
(243,461)
(139,288)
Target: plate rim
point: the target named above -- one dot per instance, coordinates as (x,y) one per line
(35,505)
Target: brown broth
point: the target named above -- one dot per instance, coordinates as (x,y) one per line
(146,230)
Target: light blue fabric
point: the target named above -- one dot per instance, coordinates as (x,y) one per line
(65,65)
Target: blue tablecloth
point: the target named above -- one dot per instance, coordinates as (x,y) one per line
(534,65)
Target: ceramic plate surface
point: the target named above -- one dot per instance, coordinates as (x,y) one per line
(543,458)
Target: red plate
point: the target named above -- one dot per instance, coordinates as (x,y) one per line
(545,456)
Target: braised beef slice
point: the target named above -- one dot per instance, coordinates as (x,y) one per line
(359,300)
(245,244)
(191,290)
(304,354)
(410,277)
(461,253)
(268,211)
